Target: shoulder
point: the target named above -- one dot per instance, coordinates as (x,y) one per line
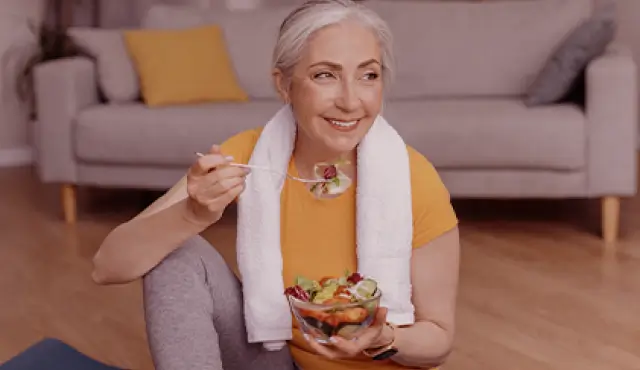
(426,184)
(240,146)
(433,213)
(423,173)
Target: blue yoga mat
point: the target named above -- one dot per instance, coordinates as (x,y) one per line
(53,354)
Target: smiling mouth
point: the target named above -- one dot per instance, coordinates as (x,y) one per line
(342,124)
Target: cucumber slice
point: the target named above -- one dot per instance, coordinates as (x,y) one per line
(342,280)
(311,286)
(366,288)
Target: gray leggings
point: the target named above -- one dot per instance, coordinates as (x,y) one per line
(194,315)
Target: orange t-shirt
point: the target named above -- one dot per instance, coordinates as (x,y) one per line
(318,236)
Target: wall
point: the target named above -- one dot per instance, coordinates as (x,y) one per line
(17,44)
(127,13)
(628,12)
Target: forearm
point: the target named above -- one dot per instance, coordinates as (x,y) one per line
(135,247)
(423,344)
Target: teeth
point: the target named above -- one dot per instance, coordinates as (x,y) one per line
(343,124)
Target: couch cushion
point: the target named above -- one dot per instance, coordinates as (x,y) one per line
(250,36)
(563,72)
(471,48)
(136,134)
(492,134)
(183,66)
(117,75)
(453,134)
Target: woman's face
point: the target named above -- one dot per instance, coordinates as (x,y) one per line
(336,88)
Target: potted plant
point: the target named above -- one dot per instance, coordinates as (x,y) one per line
(52,42)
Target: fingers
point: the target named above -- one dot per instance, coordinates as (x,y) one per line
(220,186)
(381,316)
(233,193)
(323,350)
(350,348)
(222,199)
(224,172)
(203,165)
(214,186)
(344,348)
(222,180)
(215,149)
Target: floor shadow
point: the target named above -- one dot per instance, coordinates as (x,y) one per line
(577,213)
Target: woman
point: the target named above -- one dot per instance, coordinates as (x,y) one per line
(331,63)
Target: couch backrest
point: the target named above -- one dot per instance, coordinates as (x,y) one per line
(465,48)
(442,48)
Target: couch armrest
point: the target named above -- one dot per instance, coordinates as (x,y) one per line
(62,88)
(612,119)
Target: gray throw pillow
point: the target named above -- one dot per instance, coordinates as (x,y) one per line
(585,43)
(117,76)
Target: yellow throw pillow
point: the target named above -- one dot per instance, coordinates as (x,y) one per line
(183,66)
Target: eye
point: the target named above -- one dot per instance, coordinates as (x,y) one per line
(322,75)
(371,76)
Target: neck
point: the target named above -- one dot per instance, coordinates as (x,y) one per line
(308,153)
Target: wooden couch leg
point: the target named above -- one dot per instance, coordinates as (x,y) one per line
(69,203)
(610,218)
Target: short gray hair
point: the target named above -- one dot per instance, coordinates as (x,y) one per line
(314,15)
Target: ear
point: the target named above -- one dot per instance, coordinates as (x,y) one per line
(281,84)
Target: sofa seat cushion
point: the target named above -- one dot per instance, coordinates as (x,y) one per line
(492,134)
(456,134)
(137,135)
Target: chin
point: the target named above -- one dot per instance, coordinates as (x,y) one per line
(342,145)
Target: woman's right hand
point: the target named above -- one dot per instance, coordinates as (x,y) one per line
(211,186)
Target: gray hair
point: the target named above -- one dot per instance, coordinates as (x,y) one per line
(314,15)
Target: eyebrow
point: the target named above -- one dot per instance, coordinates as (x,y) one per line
(338,66)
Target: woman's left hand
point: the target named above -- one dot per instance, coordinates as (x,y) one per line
(376,335)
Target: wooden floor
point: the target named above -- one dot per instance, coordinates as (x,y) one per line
(539,291)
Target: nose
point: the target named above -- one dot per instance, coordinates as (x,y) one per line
(348,99)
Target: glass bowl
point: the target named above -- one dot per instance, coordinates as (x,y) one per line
(322,321)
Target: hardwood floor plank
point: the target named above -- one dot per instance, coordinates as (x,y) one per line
(539,290)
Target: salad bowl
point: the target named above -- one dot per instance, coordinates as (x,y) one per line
(343,306)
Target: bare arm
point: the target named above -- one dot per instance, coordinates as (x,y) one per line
(135,247)
(193,204)
(434,275)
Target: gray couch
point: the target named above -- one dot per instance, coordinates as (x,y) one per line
(463,69)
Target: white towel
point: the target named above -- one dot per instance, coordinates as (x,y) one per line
(383,218)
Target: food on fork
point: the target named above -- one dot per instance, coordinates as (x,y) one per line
(339,181)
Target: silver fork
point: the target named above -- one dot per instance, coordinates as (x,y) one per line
(251,166)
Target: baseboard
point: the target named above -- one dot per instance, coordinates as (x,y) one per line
(15,157)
